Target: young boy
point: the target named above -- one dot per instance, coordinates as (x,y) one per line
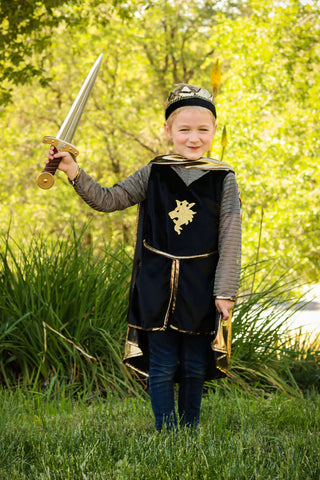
(187,256)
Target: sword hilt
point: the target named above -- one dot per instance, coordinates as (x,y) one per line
(45,179)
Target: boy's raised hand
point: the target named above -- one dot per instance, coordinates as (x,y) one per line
(67,163)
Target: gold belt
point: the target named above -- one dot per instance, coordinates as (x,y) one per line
(177,257)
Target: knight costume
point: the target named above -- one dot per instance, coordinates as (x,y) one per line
(177,272)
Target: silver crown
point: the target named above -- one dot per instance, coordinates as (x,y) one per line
(184,91)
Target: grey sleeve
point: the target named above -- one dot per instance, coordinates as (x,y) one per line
(122,195)
(229,265)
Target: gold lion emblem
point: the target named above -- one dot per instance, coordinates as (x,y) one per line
(182,215)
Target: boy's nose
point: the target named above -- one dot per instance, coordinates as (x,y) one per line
(193,137)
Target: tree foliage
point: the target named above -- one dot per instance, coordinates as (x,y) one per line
(26,30)
(270,56)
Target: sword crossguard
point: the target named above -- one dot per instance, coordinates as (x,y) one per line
(45,179)
(61,145)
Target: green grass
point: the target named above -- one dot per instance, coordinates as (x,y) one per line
(240,437)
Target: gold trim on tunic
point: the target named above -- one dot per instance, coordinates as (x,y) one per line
(132,350)
(177,257)
(222,343)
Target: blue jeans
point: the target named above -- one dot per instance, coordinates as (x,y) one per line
(169,351)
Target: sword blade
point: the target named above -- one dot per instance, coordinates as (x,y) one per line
(72,120)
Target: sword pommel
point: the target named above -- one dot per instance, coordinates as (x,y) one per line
(45,180)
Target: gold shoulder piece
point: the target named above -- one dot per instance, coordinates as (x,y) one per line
(202,164)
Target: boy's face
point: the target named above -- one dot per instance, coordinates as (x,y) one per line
(192,132)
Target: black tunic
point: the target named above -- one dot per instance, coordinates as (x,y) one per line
(176,258)
(175,278)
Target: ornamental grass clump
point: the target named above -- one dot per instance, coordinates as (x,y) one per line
(63,323)
(267,353)
(63,315)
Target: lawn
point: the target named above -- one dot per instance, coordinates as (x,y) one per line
(240,436)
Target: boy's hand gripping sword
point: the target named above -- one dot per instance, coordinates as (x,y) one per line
(62,142)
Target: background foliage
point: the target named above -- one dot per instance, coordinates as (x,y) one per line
(269,52)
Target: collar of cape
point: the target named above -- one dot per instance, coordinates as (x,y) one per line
(204,163)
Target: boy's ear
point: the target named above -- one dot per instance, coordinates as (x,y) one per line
(215,129)
(167,130)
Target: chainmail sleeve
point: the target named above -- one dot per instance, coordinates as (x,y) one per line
(122,195)
(229,264)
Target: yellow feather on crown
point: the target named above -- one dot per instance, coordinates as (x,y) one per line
(215,78)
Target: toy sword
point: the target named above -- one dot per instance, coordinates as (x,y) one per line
(62,142)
